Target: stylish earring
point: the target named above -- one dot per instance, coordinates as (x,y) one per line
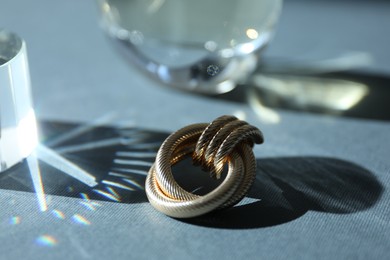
(225,140)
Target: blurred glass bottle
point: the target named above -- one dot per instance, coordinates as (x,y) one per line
(204,46)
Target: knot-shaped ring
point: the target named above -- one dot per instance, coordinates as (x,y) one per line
(225,140)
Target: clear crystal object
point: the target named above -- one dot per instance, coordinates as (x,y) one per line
(18,132)
(204,46)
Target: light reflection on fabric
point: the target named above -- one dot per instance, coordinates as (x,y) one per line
(78,219)
(118,185)
(15,220)
(107,195)
(35,173)
(65,166)
(113,192)
(134,183)
(88,203)
(46,240)
(58,214)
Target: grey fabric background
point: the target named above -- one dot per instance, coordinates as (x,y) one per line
(322,186)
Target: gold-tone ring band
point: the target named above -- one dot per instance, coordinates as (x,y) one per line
(225,140)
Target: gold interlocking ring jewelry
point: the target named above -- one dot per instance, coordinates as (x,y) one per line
(225,140)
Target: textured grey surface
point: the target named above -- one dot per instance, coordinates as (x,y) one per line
(322,188)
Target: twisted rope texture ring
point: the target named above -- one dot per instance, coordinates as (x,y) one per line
(226,140)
